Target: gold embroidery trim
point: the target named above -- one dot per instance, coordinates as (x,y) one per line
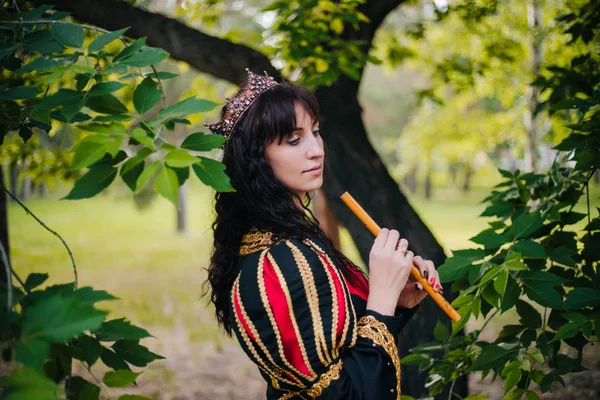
(312,297)
(255,241)
(369,327)
(276,373)
(316,390)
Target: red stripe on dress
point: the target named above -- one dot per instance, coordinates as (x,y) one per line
(341,300)
(238,311)
(362,293)
(281,312)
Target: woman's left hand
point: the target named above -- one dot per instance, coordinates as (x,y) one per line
(413,292)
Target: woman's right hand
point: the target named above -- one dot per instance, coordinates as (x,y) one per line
(389,270)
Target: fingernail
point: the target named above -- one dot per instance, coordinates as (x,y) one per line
(431,281)
(437,287)
(425,274)
(419,286)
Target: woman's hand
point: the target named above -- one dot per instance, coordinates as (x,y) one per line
(413,292)
(389,268)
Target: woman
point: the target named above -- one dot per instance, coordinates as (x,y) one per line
(312,322)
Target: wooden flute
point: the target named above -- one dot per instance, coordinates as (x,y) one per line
(415,273)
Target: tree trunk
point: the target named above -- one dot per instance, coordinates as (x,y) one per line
(182,211)
(531,120)
(428,183)
(42,190)
(352,163)
(467,182)
(3,228)
(410,180)
(14,178)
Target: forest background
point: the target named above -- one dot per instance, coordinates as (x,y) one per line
(445,104)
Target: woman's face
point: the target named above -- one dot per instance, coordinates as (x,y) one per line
(298,161)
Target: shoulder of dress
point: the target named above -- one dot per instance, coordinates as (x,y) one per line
(256,241)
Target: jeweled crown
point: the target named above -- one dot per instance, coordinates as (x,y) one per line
(238,104)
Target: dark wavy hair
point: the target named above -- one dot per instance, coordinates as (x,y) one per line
(261,201)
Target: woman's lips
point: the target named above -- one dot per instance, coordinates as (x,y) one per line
(315,170)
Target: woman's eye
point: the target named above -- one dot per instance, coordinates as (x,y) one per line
(317,132)
(294,142)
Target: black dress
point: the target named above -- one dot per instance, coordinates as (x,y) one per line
(307,329)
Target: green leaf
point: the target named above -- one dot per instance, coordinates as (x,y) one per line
(130,50)
(133,397)
(32,353)
(531,395)
(529,249)
(86,348)
(39,64)
(120,378)
(552,377)
(57,319)
(491,274)
(514,264)
(105,87)
(146,57)
(89,295)
(96,180)
(527,224)
(500,283)
(543,277)
(70,35)
(413,359)
(180,159)
(82,389)
(34,280)
(135,354)
(145,96)
(112,360)
(530,317)
(27,384)
(544,294)
(61,98)
(105,39)
(465,314)
(571,329)
(493,357)
(106,104)
(512,379)
(462,300)
(200,142)
(514,395)
(163,75)
(20,93)
(212,173)
(147,174)
(118,329)
(490,239)
(167,185)
(141,136)
(89,150)
(582,297)
(191,105)
(440,332)
(131,174)
(511,295)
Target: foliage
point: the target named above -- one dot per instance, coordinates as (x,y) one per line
(61,74)
(534,256)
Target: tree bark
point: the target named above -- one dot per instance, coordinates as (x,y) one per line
(3,227)
(532,125)
(352,163)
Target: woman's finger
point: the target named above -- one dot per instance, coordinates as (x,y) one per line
(434,278)
(392,241)
(381,239)
(402,246)
(420,264)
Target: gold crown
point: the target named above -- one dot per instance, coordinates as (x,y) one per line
(238,104)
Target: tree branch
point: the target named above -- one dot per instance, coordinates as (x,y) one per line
(217,57)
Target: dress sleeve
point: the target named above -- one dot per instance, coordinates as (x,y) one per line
(294,317)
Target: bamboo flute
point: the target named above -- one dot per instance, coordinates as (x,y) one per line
(415,273)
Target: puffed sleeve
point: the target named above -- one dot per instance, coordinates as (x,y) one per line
(293,314)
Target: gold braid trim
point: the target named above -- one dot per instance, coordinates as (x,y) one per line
(369,327)
(255,241)
(325,379)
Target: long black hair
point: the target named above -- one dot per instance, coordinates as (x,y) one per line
(261,201)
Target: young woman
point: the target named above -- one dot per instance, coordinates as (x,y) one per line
(312,322)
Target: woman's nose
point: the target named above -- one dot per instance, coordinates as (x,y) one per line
(316,148)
